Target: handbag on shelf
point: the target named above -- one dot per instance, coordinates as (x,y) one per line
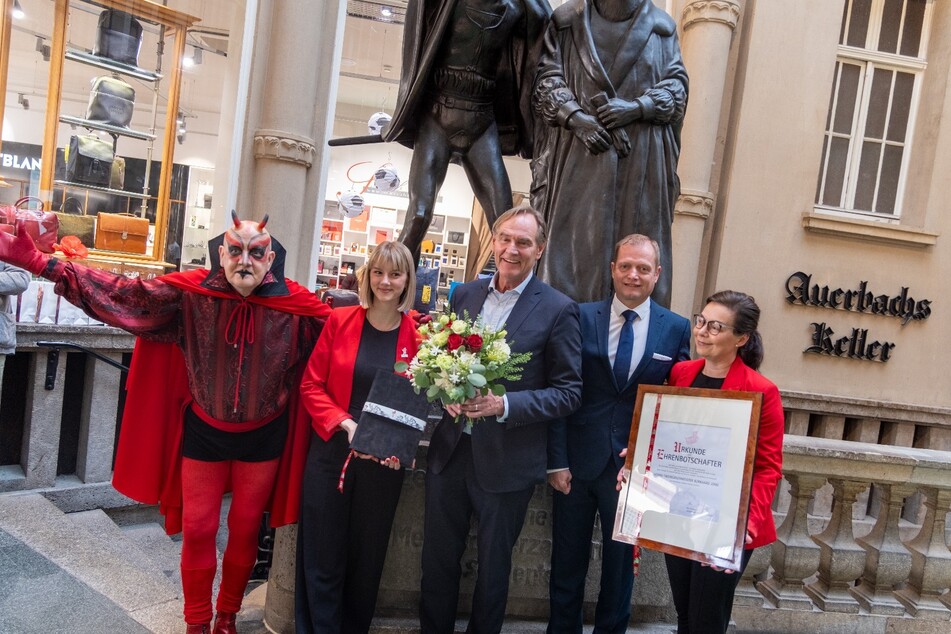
(122,232)
(42,226)
(117,174)
(89,160)
(74,222)
(111,101)
(118,37)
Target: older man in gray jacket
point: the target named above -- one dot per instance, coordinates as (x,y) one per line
(13,281)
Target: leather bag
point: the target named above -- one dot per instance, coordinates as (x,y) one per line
(122,232)
(74,222)
(111,101)
(117,175)
(119,37)
(42,226)
(89,160)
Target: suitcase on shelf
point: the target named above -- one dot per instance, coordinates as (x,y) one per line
(122,232)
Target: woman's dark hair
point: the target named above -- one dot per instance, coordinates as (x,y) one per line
(745,320)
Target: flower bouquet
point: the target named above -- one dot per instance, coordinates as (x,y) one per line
(459,358)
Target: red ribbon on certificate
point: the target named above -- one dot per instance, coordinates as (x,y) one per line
(646,479)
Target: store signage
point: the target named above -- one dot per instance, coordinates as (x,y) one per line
(16,161)
(800,290)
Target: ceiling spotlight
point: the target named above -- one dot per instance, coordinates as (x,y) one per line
(18,13)
(43,48)
(180,132)
(194,60)
(386,12)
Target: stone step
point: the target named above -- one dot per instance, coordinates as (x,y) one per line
(103,560)
(411,626)
(101,525)
(164,553)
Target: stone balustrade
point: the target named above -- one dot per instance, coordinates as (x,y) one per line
(855,570)
(91,395)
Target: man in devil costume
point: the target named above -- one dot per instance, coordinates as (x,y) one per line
(211,397)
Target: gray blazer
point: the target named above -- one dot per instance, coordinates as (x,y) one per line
(13,281)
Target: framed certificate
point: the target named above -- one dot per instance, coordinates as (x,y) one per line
(689,469)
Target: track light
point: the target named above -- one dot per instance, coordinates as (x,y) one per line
(180,131)
(43,48)
(18,13)
(194,60)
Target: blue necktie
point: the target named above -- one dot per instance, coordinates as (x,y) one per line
(625,345)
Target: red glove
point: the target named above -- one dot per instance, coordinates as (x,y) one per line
(20,251)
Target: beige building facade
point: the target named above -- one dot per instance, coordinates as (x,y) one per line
(851,293)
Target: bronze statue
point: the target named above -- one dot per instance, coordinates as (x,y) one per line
(465,94)
(610,96)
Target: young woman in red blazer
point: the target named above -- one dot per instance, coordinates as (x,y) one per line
(345,522)
(731,350)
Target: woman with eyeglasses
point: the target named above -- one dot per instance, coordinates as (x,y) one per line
(730,350)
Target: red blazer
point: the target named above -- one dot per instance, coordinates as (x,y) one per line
(768,466)
(328,379)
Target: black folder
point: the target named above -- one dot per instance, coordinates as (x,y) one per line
(393,419)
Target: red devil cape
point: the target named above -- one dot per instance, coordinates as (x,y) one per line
(149,455)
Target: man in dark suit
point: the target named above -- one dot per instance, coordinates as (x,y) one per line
(627,340)
(490,468)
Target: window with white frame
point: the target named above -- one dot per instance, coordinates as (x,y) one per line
(878,73)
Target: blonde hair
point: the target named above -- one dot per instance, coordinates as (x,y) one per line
(388,255)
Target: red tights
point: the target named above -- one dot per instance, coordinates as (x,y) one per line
(203,486)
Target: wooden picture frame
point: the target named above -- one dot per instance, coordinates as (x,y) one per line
(688,471)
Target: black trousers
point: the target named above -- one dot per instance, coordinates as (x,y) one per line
(452,497)
(703,596)
(342,538)
(572,528)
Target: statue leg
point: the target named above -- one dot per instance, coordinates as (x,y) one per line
(487,176)
(431,154)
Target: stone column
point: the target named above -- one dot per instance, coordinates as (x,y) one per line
(841,558)
(97,431)
(795,557)
(290,61)
(286,88)
(44,413)
(707,34)
(889,562)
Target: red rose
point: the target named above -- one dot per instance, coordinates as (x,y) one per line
(454,341)
(474,342)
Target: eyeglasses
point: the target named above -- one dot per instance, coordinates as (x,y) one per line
(713,326)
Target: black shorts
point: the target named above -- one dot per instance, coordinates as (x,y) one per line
(201,441)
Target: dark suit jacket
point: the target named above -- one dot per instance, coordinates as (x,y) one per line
(511,456)
(599,429)
(768,464)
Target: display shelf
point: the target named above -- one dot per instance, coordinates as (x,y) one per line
(105,127)
(351,240)
(112,66)
(171,27)
(105,190)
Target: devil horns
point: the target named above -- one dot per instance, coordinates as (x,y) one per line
(237,221)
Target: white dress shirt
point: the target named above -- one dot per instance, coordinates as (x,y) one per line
(495,312)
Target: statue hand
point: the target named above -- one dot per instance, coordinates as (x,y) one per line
(617,113)
(587,128)
(622,142)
